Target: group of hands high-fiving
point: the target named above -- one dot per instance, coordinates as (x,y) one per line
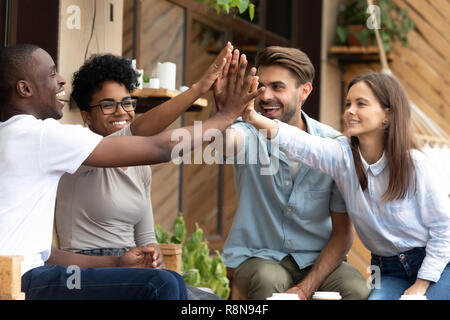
(234,91)
(234,94)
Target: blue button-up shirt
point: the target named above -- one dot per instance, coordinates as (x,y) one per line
(277,215)
(385,227)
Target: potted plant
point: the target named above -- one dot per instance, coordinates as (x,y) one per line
(352,24)
(193,258)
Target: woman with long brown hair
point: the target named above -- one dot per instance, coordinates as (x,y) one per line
(393,196)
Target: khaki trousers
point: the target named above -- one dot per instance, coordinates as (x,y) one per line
(257,279)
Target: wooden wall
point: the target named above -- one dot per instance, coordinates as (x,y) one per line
(424,67)
(160,39)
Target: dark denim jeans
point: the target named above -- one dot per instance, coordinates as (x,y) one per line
(61,283)
(399,272)
(193,293)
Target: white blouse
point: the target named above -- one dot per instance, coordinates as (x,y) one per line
(386,228)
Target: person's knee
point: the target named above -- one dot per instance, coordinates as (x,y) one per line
(347,280)
(266,274)
(264,280)
(166,286)
(358,291)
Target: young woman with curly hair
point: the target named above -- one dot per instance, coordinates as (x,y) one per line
(107,211)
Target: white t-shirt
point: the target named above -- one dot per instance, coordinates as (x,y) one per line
(34,154)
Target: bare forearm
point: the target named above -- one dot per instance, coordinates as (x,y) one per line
(133,151)
(189,138)
(65,258)
(159,118)
(330,257)
(262,123)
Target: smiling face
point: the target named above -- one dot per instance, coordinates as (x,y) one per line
(108,124)
(283,96)
(364,114)
(48,87)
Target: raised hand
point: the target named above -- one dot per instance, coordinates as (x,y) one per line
(233,91)
(219,87)
(215,70)
(249,111)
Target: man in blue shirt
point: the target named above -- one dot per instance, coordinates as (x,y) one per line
(291,232)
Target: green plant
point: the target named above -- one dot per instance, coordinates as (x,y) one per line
(229,5)
(199,269)
(394,21)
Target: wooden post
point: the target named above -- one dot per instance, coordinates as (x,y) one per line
(11,278)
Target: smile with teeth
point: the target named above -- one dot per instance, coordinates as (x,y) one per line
(119,123)
(61,95)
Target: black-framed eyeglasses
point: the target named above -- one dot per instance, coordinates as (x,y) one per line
(110,107)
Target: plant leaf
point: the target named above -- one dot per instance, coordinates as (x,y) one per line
(251,11)
(243,5)
(161,235)
(341,34)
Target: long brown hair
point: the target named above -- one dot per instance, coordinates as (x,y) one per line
(398,138)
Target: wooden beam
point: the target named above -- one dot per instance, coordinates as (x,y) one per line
(237,24)
(11,278)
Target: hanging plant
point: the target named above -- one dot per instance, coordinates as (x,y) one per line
(230,6)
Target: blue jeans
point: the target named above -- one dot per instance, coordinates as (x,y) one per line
(59,283)
(399,272)
(193,293)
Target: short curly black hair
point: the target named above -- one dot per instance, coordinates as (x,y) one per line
(98,69)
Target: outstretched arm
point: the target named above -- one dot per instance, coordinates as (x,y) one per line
(324,154)
(131,151)
(159,118)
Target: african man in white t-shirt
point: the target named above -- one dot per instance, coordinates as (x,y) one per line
(36,151)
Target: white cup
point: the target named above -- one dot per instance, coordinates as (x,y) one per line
(154,83)
(167,74)
(326,295)
(283,296)
(413,297)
